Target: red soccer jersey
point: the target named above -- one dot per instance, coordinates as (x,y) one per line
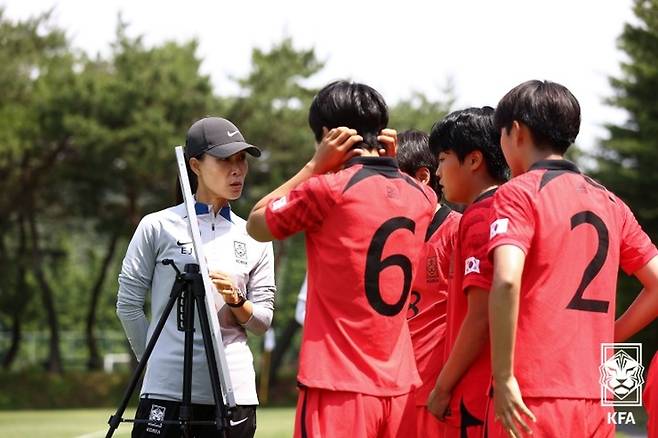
(365,228)
(575,235)
(472,269)
(427,307)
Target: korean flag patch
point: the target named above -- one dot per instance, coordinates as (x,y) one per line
(471,265)
(499,226)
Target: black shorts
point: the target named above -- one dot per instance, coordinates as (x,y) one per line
(242,423)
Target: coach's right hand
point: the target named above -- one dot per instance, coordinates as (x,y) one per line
(334,149)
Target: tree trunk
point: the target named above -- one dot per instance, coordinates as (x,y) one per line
(16,337)
(54,362)
(283,343)
(95,361)
(21,296)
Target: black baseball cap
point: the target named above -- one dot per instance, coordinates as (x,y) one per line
(217,137)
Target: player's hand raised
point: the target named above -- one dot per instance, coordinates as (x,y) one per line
(388,137)
(335,148)
(510,409)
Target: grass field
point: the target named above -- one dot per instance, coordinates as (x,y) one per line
(92,423)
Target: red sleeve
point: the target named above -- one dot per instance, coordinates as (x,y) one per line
(512,220)
(301,209)
(636,247)
(478,269)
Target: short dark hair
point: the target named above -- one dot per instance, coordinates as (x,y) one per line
(468,130)
(350,104)
(548,109)
(414,153)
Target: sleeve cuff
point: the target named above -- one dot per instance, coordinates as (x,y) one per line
(506,241)
(632,268)
(479,282)
(271,223)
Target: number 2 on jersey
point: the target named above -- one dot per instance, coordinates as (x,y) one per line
(594,266)
(375,265)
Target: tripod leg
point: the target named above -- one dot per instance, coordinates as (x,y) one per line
(116,419)
(185,413)
(221,413)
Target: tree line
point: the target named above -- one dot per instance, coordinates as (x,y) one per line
(86,150)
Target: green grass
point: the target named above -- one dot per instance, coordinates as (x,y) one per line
(92,423)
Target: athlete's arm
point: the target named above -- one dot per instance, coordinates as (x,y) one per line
(644,308)
(135,281)
(260,291)
(470,340)
(503,314)
(334,149)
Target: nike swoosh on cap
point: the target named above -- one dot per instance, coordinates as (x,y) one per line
(231,134)
(235,423)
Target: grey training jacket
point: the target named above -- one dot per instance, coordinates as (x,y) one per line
(227,248)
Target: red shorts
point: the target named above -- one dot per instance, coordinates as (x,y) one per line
(467,415)
(427,425)
(561,417)
(330,414)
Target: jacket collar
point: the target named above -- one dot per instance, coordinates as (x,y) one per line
(200,208)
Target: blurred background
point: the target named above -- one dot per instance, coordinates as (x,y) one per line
(94,95)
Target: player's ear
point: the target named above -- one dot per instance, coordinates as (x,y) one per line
(423,175)
(519,133)
(475,160)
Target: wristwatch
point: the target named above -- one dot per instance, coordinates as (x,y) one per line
(241,301)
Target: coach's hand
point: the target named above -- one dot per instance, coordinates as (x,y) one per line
(334,149)
(388,137)
(224,285)
(510,409)
(438,403)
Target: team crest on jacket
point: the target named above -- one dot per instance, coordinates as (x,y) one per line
(240,251)
(432,269)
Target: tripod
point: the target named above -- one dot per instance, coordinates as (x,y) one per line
(188,290)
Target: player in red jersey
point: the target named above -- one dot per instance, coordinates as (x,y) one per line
(365,226)
(471,166)
(427,307)
(651,398)
(558,239)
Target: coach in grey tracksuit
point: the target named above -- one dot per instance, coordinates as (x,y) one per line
(241,268)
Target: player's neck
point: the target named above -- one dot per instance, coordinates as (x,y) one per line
(482,183)
(537,155)
(369,153)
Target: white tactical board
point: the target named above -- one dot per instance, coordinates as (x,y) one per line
(220,357)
